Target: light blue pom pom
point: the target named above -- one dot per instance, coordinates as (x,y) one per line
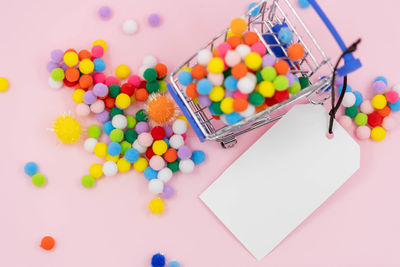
(31,168)
(285,35)
(256,10)
(348,89)
(303,3)
(359,98)
(132,155)
(114,149)
(99,64)
(150,174)
(230,83)
(198,157)
(108,127)
(185,77)
(394,106)
(233,118)
(204,87)
(174,264)
(381,78)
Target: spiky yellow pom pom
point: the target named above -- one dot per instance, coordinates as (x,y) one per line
(67,128)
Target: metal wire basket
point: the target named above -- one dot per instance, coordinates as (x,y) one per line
(315,66)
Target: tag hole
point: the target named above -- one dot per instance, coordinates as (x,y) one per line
(330,135)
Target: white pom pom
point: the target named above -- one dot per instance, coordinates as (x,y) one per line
(176,141)
(349,99)
(345,121)
(179,126)
(119,121)
(98,106)
(232,58)
(246,85)
(165,175)
(138,147)
(141,71)
(110,168)
(156,186)
(186,165)
(252,76)
(250,110)
(243,50)
(396,88)
(366,107)
(55,84)
(82,110)
(203,56)
(89,144)
(149,61)
(389,123)
(130,26)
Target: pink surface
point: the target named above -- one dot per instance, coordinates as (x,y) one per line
(109,225)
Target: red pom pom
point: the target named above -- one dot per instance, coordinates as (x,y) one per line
(270,101)
(281,96)
(69,84)
(184,136)
(128,89)
(109,102)
(143,84)
(216,117)
(149,153)
(158,133)
(374,119)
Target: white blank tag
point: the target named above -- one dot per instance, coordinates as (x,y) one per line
(280,180)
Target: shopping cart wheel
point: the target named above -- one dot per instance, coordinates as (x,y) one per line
(229,143)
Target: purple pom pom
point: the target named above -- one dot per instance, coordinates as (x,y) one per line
(168,131)
(379,87)
(184,152)
(154,20)
(268,61)
(204,100)
(89,97)
(104,12)
(103,116)
(168,191)
(51,66)
(141,127)
(56,55)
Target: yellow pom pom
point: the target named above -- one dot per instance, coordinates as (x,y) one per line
(96,170)
(102,43)
(112,158)
(71,58)
(186,69)
(122,71)
(123,165)
(68,129)
(123,101)
(156,206)
(140,165)
(266,89)
(159,147)
(227,105)
(238,25)
(379,101)
(253,61)
(3,84)
(217,94)
(216,65)
(378,133)
(77,96)
(230,34)
(86,66)
(100,150)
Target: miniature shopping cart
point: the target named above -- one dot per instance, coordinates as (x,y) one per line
(315,67)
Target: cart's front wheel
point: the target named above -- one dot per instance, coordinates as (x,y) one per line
(228,144)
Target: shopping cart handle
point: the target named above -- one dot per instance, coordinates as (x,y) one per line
(350,63)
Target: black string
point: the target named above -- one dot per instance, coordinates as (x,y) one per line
(335,108)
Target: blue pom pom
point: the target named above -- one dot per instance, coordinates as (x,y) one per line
(166,141)
(114,149)
(230,83)
(348,89)
(132,155)
(204,87)
(158,260)
(303,3)
(150,174)
(99,64)
(198,157)
(255,11)
(108,127)
(185,77)
(174,264)
(394,106)
(285,35)
(359,98)
(233,118)
(31,168)
(381,78)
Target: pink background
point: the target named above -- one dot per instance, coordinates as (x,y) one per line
(109,225)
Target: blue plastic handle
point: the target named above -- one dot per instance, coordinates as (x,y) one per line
(350,63)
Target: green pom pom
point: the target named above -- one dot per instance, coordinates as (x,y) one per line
(228,72)
(259,77)
(216,108)
(163,87)
(295,88)
(131,122)
(57,74)
(304,82)
(173,166)
(141,115)
(114,90)
(130,135)
(361,119)
(351,111)
(125,145)
(152,87)
(150,75)
(268,73)
(116,135)
(114,111)
(87,181)
(38,179)
(94,131)
(256,99)
(281,83)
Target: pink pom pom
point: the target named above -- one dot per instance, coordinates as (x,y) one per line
(97,106)
(82,110)
(238,94)
(134,80)
(392,96)
(111,80)
(145,139)
(363,132)
(184,137)
(259,48)
(157,163)
(366,107)
(223,48)
(216,79)
(345,121)
(232,58)
(389,123)
(97,51)
(99,77)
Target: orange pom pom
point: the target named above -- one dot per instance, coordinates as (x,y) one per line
(238,26)
(84,54)
(250,38)
(47,243)
(384,112)
(85,81)
(199,72)
(191,90)
(281,67)
(141,94)
(239,71)
(161,69)
(234,41)
(109,102)
(296,52)
(171,155)
(240,104)
(72,75)
(260,108)
(161,109)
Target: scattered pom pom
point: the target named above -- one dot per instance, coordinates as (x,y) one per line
(363,132)
(378,133)
(130,27)
(110,168)
(154,20)
(186,166)
(67,129)
(345,121)
(31,168)
(87,181)
(47,243)
(303,3)
(104,12)
(156,206)
(349,99)
(379,87)
(296,52)
(366,107)
(156,186)
(389,123)
(285,35)
(38,179)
